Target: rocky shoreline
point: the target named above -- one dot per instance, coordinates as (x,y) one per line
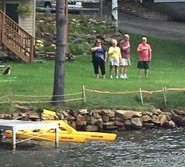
(106,120)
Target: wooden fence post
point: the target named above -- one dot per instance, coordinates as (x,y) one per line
(164,95)
(83,95)
(141,96)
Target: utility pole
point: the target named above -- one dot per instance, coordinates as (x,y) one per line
(115,13)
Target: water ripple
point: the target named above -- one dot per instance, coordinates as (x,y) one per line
(151,148)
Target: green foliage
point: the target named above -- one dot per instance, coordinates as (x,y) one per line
(82,32)
(24,10)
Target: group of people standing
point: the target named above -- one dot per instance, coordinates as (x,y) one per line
(119,56)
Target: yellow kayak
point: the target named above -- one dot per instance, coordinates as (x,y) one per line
(65,128)
(46,136)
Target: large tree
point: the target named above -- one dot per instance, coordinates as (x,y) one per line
(61,44)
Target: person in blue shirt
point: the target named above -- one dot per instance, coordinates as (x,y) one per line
(99,56)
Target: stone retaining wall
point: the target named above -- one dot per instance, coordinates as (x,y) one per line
(108,120)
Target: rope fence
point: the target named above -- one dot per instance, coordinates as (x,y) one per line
(12,99)
(33,99)
(164,90)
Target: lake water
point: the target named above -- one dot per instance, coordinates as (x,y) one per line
(151,148)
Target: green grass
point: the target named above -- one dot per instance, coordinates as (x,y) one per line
(34,82)
(167,70)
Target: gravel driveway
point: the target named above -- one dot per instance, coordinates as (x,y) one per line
(168,30)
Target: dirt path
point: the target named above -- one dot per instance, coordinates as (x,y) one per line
(168,30)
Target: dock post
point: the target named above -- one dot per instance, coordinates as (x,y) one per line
(14,138)
(57,137)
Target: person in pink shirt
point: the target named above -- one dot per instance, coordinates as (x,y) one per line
(145,56)
(125,54)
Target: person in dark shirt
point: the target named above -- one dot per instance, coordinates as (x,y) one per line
(99,55)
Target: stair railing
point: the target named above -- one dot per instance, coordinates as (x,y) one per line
(16,39)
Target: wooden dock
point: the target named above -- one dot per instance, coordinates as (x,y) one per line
(15,125)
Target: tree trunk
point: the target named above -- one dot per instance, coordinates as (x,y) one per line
(61,34)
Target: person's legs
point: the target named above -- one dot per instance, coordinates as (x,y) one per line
(116,71)
(111,67)
(146,69)
(102,67)
(146,73)
(121,71)
(122,68)
(125,72)
(141,68)
(125,62)
(96,71)
(110,71)
(139,72)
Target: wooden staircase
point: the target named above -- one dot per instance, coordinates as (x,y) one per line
(16,39)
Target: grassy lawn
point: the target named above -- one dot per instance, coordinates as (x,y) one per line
(36,80)
(167,70)
(33,83)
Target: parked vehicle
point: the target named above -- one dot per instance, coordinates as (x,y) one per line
(51,5)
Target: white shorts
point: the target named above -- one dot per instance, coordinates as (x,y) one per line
(113,62)
(125,62)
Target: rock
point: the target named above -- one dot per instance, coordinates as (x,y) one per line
(105,118)
(94,111)
(91,128)
(96,115)
(64,113)
(125,114)
(169,124)
(93,120)
(73,113)
(137,114)
(168,116)
(155,120)
(108,113)
(148,125)
(70,118)
(83,111)
(22,108)
(176,118)
(60,116)
(73,124)
(127,124)
(80,117)
(81,123)
(111,127)
(108,123)
(156,111)
(118,119)
(87,118)
(111,118)
(7,116)
(99,123)
(33,115)
(179,112)
(162,119)
(136,123)
(1,116)
(118,123)
(146,118)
